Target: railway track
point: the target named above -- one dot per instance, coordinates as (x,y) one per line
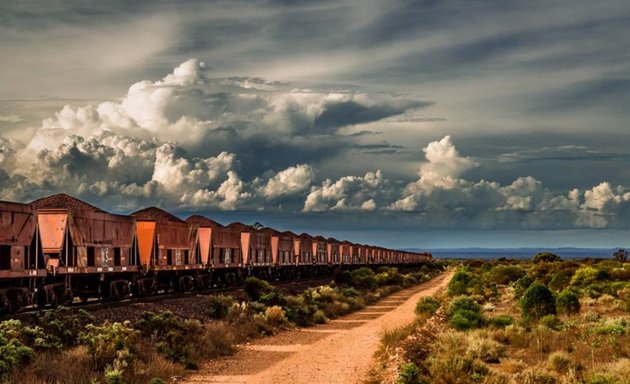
(98,305)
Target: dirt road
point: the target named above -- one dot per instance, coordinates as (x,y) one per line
(340,351)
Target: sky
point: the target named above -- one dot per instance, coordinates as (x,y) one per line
(421,124)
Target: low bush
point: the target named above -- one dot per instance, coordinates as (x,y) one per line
(218,340)
(219,306)
(463,303)
(455,368)
(64,324)
(174,338)
(521,285)
(537,301)
(559,281)
(505,274)
(584,276)
(535,376)
(545,257)
(275,316)
(342,277)
(409,374)
(110,344)
(501,321)
(255,288)
(465,320)
(611,327)
(427,306)
(551,322)
(560,362)
(463,282)
(485,349)
(13,353)
(465,313)
(568,302)
(363,278)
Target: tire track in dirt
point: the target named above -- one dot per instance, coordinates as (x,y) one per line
(338,352)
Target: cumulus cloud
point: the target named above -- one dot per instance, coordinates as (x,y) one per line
(203,114)
(188,141)
(349,193)
(289,182)
(184,138)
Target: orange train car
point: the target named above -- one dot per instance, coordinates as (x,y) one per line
(61,247)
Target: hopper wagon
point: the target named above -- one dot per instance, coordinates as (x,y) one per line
(59,249)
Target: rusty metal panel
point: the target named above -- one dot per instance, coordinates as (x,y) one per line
(52,229)
(81,256)
(275,244)
(245,243)
(205,239)
(227,238)
(145,231)
(17,224)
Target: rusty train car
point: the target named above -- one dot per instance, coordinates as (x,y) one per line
(59,249)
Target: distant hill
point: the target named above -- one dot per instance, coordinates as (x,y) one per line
(516,253)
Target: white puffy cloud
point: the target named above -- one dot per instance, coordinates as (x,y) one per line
(349,193)
(442,197)
(290,181)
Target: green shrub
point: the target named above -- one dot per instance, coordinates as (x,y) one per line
(342,277)
(611,327)
(363,278)
(559,281)
(568,302)
(218,306)
(255,288)
(537,301)
(298,311)
(465,319)
(409,374)
(114,376)
(64,324)
(427,306)
(465,313)
(552,322)
(389,276)
(463,303)
(273,298)
(521,286)
(501,321)
(546,257)
(463,282)
(505,274)
(175,338)
(110,343)
(13,353)
(584,276)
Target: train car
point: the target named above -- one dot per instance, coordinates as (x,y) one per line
(168,251)
(21,261)
(282,253)
(221,247)
(346,252)
(256,250)
(320,251)
(87,252)
(334,251)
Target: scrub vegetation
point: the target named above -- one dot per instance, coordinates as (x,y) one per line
(543,321)
(69,346)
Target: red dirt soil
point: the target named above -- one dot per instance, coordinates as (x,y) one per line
(340,351)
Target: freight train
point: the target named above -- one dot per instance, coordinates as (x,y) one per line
(59,249)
